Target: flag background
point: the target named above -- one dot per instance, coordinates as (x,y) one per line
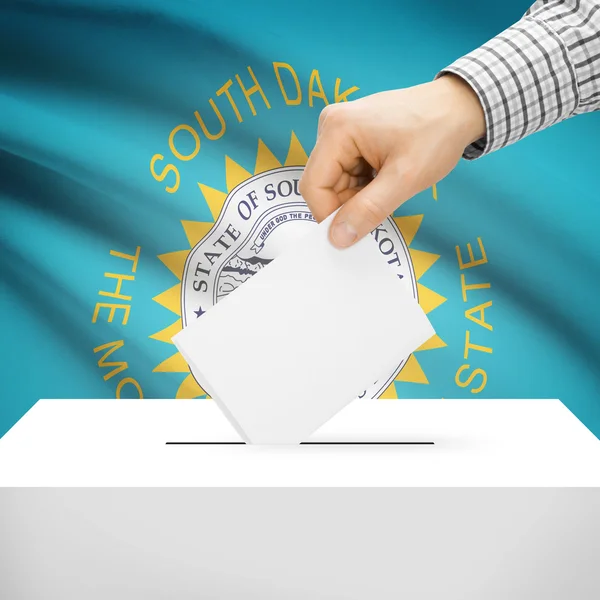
(91,91)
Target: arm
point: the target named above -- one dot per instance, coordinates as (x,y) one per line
(542,70)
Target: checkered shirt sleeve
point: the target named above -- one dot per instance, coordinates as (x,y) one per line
(542,70)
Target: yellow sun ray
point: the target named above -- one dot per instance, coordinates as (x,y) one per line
(389,393)
(189,389)
(412,372)
(428,299)
(433,343)
(214,198)
(434,192)
(175,261)
(170,299)
(422,261)
(265,159)
(296,156)
(167,333)
(409,226)
(195,230)
(234,175)
(173,364)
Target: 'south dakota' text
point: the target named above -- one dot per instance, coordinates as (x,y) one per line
(234,101)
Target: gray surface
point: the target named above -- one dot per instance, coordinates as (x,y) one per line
(294,544)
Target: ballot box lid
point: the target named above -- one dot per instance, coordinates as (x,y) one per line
(371,443)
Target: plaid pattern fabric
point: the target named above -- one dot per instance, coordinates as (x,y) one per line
(542,70)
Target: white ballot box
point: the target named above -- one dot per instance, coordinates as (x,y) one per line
(159,499)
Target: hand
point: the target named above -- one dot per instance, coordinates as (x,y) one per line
(412,138)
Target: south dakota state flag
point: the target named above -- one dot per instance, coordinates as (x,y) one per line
(126,127)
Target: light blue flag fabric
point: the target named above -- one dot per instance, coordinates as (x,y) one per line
(125,128)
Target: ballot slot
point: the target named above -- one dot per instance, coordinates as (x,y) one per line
(336,443)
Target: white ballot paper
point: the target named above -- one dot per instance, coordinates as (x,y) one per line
(303,337)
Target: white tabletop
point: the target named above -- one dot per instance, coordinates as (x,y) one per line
(475,443)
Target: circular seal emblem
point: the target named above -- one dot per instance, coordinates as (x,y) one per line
(260,217)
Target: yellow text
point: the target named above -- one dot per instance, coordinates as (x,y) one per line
(477,334)
(237,99)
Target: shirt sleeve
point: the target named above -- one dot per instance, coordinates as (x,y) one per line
(542,70)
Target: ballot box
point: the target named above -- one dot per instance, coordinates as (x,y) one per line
(160,499)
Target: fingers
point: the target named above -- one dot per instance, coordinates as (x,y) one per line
(318,181)
(334,155)
(370,207)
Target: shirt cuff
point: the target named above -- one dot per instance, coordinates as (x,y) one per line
(524,80)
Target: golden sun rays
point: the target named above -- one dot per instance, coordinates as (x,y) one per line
(196,230)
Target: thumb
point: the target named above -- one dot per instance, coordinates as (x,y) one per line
(367,209)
